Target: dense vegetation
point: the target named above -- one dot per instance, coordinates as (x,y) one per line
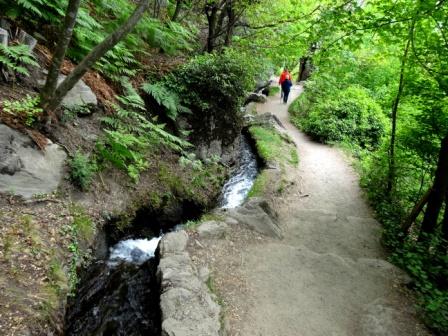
(378,87)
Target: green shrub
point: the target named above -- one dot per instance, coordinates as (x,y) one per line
(213,87)
(347,115)
(428,269)
(82,170)
(126,151)
(274,90)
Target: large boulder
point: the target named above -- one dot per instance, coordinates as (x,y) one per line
(216,148)
(257,98)
(24,169)
(173,242)
(258,215)
(80,95)
(213,229)
(4,37)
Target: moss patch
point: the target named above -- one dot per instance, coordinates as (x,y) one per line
(273,146)
(259,185)
(276,149)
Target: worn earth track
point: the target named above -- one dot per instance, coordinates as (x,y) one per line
(328,276)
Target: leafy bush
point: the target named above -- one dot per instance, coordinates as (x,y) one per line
(213,87)
(25,109)
(428,269)
(82,170)
(346,115)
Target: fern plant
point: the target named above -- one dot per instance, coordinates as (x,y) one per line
(126,151)
(25,109)
(15,58)
(82,170)
(129,135)
(169,100)
(35,11)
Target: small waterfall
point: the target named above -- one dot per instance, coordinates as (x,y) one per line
(120,295)
(238,186)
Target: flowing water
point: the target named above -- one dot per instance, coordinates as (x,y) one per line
(238,186)
(135,251)
(120,295)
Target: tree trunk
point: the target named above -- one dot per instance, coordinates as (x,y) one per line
(211,11)
(177,10)
(230,24)
(94,55)
(302,69)
(59,54)
(439,189)
(445,225)
(418,208)
(392,168)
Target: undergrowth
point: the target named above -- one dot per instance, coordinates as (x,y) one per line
(82,170)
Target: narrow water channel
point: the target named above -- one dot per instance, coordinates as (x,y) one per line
(236,189)
(119,295)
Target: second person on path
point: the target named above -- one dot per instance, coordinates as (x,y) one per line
(286,88)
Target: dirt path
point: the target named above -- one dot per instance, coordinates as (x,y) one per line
(328,275)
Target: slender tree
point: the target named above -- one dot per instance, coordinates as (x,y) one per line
(60,51)
(212,10)
(392,168)
(51,99)
(177,10)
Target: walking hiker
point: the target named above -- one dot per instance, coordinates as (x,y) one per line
(285,75)
(286,88)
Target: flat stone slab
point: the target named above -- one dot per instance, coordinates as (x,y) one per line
(173,242)
(257,215)
(24,169)
(213,229)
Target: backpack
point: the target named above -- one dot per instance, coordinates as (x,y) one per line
(286,85)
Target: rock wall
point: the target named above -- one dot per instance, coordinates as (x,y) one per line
(187,307)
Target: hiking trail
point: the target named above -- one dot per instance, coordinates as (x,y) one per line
(328,276)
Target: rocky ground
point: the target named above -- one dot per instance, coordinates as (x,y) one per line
(327,275)
(41,245)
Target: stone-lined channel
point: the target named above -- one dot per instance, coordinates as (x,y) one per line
(119,294)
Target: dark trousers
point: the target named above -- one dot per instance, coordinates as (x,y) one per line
(285,96)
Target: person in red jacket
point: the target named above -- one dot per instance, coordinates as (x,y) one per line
(285,75)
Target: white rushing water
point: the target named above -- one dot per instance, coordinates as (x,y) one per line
(135,251)
(238,186)
(234,192)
